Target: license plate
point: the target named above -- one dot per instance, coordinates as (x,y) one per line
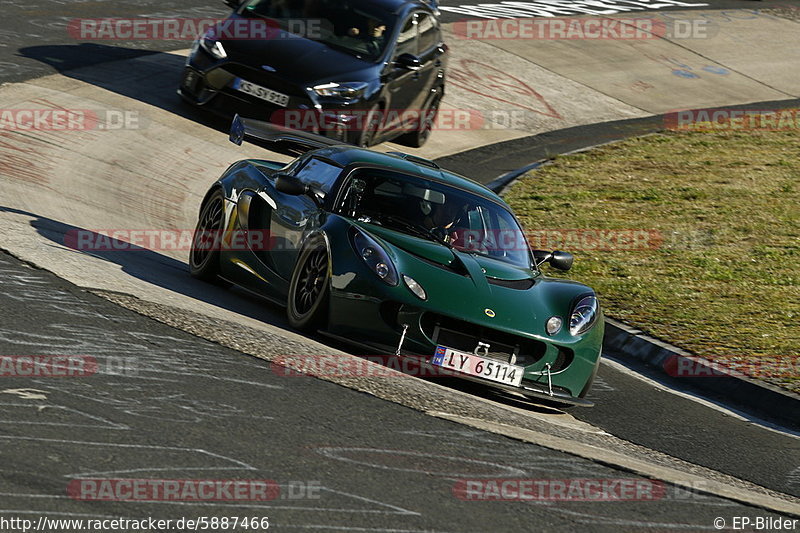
(273,97)
(478,366)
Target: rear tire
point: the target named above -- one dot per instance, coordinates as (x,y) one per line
(309,290)
(204,255)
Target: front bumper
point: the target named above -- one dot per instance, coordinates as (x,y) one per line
(528,388)
(553,371)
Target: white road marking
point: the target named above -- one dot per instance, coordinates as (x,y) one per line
(556,8)
(744,417)
(26,394)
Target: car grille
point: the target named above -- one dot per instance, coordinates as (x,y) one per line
(455,267)
(564,359)
(465,336)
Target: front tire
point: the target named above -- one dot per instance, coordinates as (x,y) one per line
(418,137)
(372,125)
(309,289)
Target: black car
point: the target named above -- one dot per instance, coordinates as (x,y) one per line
(359,71)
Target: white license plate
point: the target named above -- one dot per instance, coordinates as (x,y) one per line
(273,97)
(478,366)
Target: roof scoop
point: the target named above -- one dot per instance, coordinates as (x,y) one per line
(416,159)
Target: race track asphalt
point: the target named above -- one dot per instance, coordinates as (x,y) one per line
(167,405)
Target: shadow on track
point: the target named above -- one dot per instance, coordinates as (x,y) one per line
(154,81)
(159,270)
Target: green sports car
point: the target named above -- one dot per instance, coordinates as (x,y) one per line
(392,252)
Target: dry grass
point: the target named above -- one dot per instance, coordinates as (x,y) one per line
(725,280)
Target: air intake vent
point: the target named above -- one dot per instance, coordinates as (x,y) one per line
(517,284)
(465,336)
(416,160)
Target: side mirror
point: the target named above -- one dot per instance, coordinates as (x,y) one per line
(409,62)
(290,185)
(557,259)
(561,260)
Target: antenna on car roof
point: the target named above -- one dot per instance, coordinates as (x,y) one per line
(416,159)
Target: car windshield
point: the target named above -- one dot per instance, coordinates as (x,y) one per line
(353,27)
(434,211)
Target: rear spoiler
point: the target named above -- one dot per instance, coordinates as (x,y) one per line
(266,135)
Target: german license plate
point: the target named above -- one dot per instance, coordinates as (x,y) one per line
(273,97)
(475,365)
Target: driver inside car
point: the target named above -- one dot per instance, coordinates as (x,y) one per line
(441,219)
(373,35)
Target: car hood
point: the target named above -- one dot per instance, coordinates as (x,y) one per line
(296,59)
(518,297)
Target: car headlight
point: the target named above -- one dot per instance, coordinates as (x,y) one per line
(584,315)
(415,287)
(344,91)
(210,44)
(375,257)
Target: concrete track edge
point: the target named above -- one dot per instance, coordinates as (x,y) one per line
(691,481)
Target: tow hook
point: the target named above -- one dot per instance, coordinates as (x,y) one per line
(549,379)
(402,339)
